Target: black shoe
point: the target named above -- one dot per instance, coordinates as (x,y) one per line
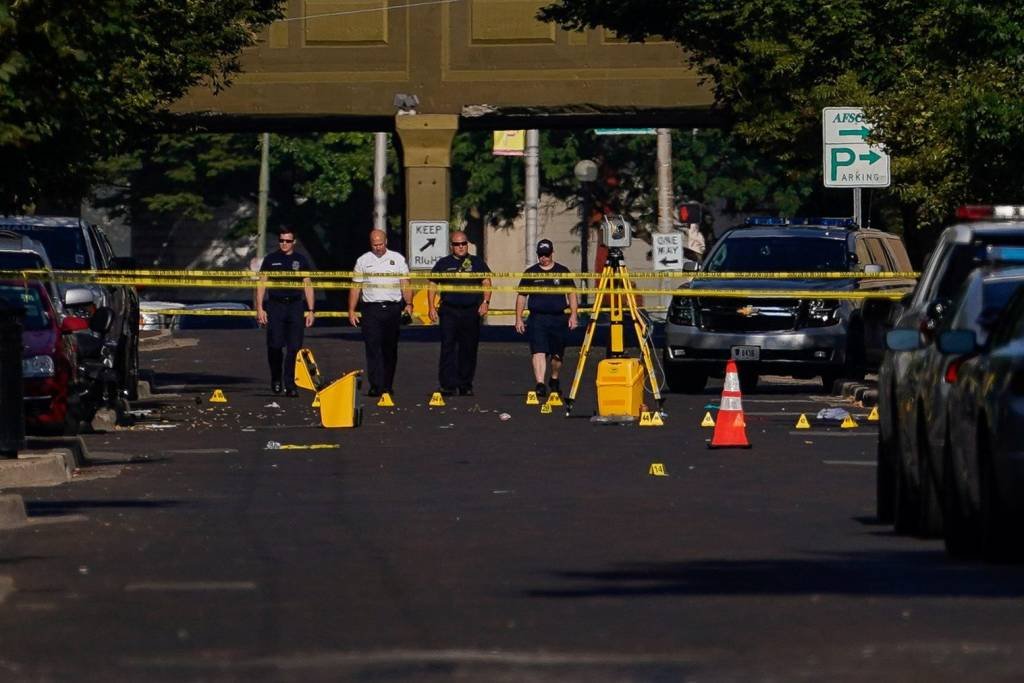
(276,387)
(292,393)
(553,386)
(465,391)
(446,392)
(374,392)
(541,390)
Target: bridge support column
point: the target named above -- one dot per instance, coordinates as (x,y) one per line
(427,159)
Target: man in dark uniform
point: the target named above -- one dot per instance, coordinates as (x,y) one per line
(548,324)
(287,313)
(460,314)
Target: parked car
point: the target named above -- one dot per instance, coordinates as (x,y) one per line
(806,337)
(983,482)
(49,364)
(20,252)
(74,244)
(153,317)
(905,487)
(975,308)
(238,316)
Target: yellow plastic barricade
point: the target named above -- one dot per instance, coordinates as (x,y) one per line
(339,402)
(307,374)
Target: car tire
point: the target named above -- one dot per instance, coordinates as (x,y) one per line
(906,510)
(685,380)
(748,380)
(885,479)
(930,513)
(959,528)
(128,376)
(997,540)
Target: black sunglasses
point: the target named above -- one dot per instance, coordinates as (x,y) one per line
(459,244)
(284,240)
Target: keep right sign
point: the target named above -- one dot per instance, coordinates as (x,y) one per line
(849,161)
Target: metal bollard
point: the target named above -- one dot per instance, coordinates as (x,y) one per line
(12,396)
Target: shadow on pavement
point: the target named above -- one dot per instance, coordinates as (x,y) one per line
(63,507)
(897,574)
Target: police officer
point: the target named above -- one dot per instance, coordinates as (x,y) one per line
(548,325)
(460,314)
(287,313)
(380,316)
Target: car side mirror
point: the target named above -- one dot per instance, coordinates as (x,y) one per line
(902,340)
(73,323)
(872,269)
(958,342)
(122,263)
(101,320)
(78,296)
(690,266)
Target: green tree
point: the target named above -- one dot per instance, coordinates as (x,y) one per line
(941,78)
(80,81)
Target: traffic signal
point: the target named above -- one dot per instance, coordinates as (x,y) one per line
(689,212)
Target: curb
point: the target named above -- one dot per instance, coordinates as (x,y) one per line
(12,511)
(47,468)
(74,446)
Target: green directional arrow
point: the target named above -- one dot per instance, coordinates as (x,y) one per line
(861,132)
(871,157)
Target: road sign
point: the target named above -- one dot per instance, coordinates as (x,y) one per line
(849,161)
(428,243)
(668,251)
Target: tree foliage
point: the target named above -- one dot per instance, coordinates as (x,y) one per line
(79,81)
(941,79)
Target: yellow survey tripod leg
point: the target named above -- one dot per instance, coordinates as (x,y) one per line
(615,287)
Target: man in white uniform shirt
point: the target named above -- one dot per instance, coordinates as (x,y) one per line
(380,313)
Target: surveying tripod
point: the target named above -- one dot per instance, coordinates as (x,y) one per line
(616,290)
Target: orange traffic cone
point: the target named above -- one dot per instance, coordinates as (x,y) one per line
(730,427)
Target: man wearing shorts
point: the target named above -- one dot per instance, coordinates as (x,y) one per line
(548,324)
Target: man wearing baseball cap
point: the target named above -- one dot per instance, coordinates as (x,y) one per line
(548,323)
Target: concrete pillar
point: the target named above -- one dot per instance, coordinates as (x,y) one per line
(427,159)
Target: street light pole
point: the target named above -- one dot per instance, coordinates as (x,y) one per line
(586,173)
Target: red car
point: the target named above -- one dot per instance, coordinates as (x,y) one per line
(49,365)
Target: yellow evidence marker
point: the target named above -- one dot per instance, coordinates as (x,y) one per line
(316,400)
(436,400)
(656,420)
(803,423)
(657,470)
(218,397)
(708,421)
(873,415)
(385,401)
(531,398)
(645,419)
(555,400)
(849,423)
(545,409)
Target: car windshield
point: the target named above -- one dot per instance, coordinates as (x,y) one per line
(779,254)
(20,260)
(64,246)
(28,299)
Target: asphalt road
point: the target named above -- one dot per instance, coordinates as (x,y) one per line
(447,544)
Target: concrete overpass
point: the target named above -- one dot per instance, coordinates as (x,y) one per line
(342,64)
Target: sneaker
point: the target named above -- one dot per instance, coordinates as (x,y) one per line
(553,386)
(541,390)
(465,391)
(276,387)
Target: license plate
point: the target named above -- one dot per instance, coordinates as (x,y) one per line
(746,353)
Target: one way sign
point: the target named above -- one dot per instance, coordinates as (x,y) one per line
(428,243)
(668,251)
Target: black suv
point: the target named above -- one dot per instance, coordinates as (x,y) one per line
(74,244)
(806,337)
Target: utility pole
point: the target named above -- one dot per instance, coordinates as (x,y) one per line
(264,194)
(380,169)
(532,191)
(665,199)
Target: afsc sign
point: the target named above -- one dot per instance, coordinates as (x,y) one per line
(849,161)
